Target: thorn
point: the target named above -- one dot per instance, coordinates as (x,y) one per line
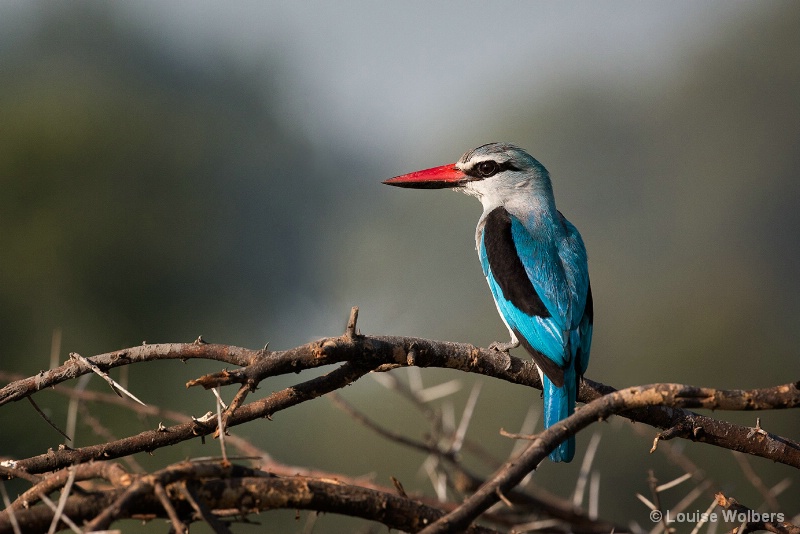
(47,419)
(266,347)
(504,498)
(200,341)
(208,416)
(757,429)
(399,487)
(113,384)
(222,402)
(679,480)
(411,356)
(506,434)
(161,427)
(350,330)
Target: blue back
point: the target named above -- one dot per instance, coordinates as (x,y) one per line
(554,273)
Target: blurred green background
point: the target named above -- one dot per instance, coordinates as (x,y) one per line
(194,168)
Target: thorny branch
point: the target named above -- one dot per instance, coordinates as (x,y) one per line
(232,491)
(161,437)
(750,525)
(513,471)
(363,354)
(663,406)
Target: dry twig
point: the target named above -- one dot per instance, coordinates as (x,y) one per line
(621,401)
(753,521)
(663,406)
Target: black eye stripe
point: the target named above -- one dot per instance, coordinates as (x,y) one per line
(488,168)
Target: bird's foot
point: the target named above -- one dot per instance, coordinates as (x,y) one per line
(504,347)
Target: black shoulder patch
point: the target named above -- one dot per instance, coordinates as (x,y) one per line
(507,268)
(548,366)
(561,220)
(589,309)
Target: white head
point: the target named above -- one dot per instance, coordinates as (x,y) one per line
(502,174)
(499,174)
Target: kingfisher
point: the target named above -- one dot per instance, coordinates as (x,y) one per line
(535,263)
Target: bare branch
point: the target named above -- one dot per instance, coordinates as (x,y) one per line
(113,473)
(754,521)
(161,493)
(345,406)
(184,493)
(631,398)
(62,501)
(537,500)
(399,351)
(219,487)
(168,351)
(115,387)
(12,519)
(157,438)
(366,352)
(755,480)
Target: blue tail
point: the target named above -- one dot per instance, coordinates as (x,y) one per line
(559,403)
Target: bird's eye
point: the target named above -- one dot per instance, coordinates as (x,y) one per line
(487,168)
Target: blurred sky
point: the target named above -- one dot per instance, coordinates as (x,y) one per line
(249,183)
(368,71)
(398,78)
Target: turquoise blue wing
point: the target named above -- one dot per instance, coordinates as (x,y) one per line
(530,293)
(541,287)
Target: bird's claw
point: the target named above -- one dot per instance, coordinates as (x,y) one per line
(503,347)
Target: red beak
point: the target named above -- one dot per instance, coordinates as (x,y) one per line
(435,178)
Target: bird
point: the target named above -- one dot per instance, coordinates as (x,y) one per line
(535,263)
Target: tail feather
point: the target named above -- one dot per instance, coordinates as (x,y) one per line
(559,403)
